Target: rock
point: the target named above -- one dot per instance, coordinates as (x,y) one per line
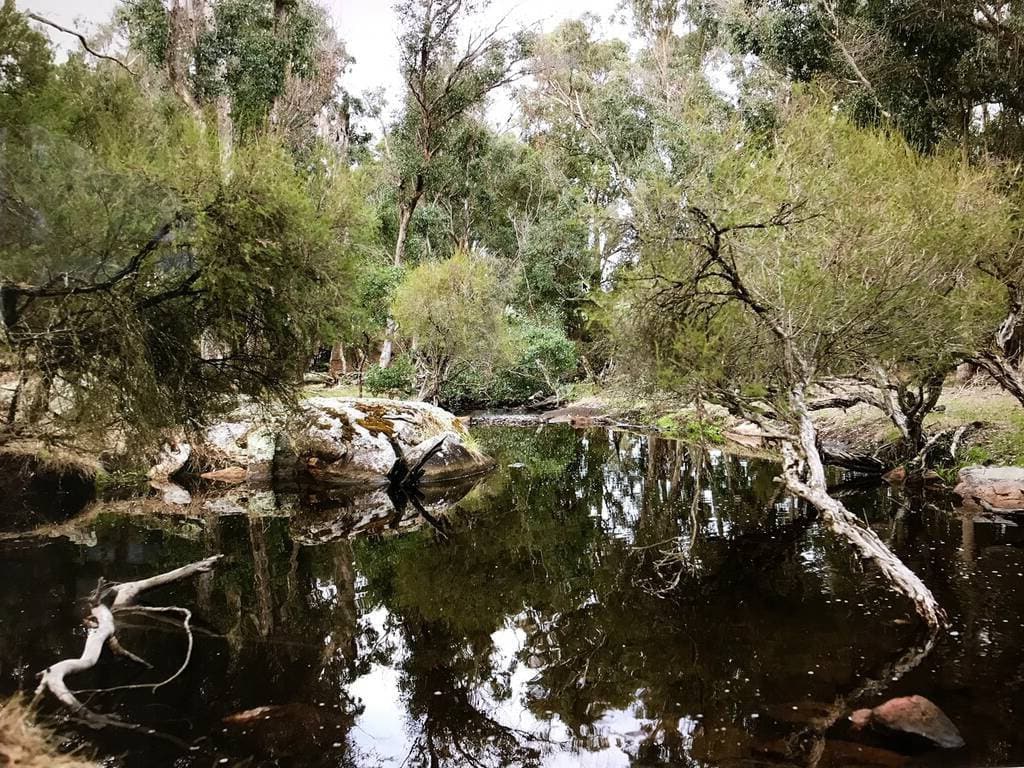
(913,715)
(577,415)
(454,461)
(747,434)
(348,441)
(171,459)
(171,493)
(992,488)
(345,441)
(229,475)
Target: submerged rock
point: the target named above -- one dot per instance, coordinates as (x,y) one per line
(999,489)
(346,441)
(170,492)
(912,715)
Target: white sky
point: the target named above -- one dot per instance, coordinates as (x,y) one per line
(367,27)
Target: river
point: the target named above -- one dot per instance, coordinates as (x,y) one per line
(603,599)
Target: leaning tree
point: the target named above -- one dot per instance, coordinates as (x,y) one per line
(833,254)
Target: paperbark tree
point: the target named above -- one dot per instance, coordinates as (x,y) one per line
(774,272)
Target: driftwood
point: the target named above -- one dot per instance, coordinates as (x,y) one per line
(108,601)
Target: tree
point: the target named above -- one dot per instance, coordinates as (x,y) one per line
(443,84)
(257,63)
(943,70)
(454,312)
(154,290)
(834,252)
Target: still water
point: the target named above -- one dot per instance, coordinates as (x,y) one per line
(603,599)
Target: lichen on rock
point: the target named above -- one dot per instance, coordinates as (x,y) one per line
(348,441)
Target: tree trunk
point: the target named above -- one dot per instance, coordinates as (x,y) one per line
(1002,360)
(387,348)
(337,366)
(804,474)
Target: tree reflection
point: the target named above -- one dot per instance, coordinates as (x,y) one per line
(602,592)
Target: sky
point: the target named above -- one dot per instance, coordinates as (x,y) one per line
(368,29)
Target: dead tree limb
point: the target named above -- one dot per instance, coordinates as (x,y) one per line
(804,475)
(107,601)
(82,40)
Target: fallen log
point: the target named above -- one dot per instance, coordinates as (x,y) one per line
(804,476)
(107,601)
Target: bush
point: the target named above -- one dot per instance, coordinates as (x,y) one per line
(466,388)
(540,358)
(397,379)
(544,357)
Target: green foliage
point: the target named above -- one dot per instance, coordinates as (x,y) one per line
(26,62)
(454,310)
(397,380)
(142,287)
(689,429)
(542,358)
(250,51)
(538,359)
(922,62)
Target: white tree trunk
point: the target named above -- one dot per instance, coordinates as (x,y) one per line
(804,474)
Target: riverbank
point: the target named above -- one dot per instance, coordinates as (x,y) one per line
(997,439)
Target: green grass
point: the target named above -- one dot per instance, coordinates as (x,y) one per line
(683,426)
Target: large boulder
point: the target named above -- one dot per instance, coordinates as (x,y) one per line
(347,441)
(998,489)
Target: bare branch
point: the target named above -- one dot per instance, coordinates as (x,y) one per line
(81,38)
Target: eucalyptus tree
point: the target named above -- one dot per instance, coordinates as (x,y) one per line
(769,272)
(586,110)
(944,70)
(253,63)
(448,71)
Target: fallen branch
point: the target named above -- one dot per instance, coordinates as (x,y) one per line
(108,600)
(804,475)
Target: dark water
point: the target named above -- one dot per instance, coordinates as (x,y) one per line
(592,603)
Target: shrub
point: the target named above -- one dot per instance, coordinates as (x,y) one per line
(396,379)
(466,388)
(544,357)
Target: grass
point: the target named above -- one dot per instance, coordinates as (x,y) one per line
(683,425)
(26,744)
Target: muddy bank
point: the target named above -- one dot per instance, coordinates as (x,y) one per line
(35,489)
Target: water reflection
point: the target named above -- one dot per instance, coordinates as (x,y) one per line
(605,599)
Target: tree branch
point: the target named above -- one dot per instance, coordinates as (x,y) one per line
(81,38)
